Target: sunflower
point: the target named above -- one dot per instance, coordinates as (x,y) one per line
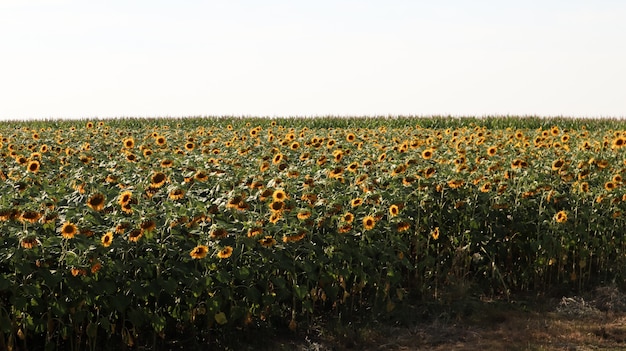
(68,230)
(560,217)
(264,166)
(435,233)
(304,214)
(167,163)
(344,228)
(347,217)
(609,186)
(429,172)
(394,210)
(129,143)
(160,140)
(199,252)
(189,146)
(584,187)
(147,226)
(295,237)
(125,198)
(619,142)
(252,232)
(268,241)
(218,233)
(402,226)
(29,243)
(33,166)
(176,194)
(486,187)
(278,158)
(369,222)
(557,164)
(96,202)
(30,216)
(226,252)
(304,156)
(335,172)
(275,217)
(427,154)
(279,195)
(135,235)
(353,167)
(96,267)
(157,180)
(107,239)
(356,202)
(277,206)
(360,179)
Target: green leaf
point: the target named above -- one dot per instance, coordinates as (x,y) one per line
(220,318)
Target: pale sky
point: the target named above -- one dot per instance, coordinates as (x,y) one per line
(113,58)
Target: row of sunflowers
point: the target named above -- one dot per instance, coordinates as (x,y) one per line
(131,231)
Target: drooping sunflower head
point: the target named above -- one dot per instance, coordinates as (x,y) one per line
(201,176)
(177,194)
(30,216)
(268,241)
(135,235)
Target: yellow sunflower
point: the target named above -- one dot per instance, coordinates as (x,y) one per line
(199,252)
(107,239)
(157,180)
(226,252)
(560,217)
(369,222)
(68,230)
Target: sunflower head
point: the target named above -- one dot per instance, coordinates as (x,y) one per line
(96,202)
(107,239)
(199,252)
(68,230)
(560,217)
(268,241)
(369,222)
(226,252)
(157,180)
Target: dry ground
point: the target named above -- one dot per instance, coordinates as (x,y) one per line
(569,323)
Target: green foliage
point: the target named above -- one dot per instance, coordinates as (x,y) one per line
(132,232)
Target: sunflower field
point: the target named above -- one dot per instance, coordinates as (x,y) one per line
(134,232)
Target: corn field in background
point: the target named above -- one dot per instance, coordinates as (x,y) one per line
(134,232)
